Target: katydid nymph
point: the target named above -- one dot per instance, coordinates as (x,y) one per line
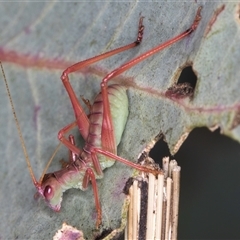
(101,129)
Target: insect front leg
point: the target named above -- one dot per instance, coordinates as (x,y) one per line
(70,144)
(72,156)
(73,149)
(67,142)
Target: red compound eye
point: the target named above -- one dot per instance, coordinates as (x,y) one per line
(48,192)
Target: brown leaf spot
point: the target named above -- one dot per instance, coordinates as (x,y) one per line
(180,90)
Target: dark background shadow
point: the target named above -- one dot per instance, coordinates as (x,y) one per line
(210,186)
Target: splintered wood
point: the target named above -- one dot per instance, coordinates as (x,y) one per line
(154,202)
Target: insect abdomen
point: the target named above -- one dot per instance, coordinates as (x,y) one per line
(119,112)
(119,109)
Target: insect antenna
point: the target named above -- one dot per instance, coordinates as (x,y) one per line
(49,162)
(35,182)
(19,129)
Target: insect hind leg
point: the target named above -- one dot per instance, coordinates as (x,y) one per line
(81,118)
(127,162)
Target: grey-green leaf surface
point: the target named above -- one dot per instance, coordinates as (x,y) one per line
(38,40)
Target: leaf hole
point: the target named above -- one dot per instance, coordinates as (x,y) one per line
(188,76)
(185,85)
(159,151)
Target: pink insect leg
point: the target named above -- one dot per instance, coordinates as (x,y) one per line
(72,155)
(66,141)
(107,121)
(89,175)
(81,118)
